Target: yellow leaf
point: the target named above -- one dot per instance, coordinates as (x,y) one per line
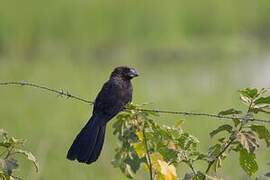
(155,157)
(139,135)
(168,171)
(139,148)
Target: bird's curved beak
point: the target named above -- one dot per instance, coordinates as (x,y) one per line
(133,73)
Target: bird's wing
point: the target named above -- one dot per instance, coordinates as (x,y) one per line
(108,102)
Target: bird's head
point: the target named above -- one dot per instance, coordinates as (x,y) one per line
(124,73)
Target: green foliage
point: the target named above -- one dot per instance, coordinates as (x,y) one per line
(262,133)
(159,148)
(258,100)
(11,147)
(146,143)
(248,161)
(225,127)
(230,111)
(244,136)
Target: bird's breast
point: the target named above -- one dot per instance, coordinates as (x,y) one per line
(126,93)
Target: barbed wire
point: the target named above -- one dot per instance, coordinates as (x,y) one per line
(60,92)
(68,95)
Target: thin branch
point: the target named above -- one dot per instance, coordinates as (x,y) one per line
(220,154)
(231,140)
(15,177)
(68,95)
(190,165)
(192,168)
(148,157)
(186,161)
(9,152)
(267,112)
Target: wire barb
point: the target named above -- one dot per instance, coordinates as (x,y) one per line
(62,93)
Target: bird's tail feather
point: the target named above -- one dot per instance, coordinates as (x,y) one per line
(87,145)
(98,146)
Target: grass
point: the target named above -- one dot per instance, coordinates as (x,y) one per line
(80,26)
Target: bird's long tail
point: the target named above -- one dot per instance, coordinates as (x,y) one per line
(87,145)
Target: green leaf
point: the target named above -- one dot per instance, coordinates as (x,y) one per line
(5,144)
(245,99)
(261,108)
(188,176)
(213,151)
(16,141)
(2,175)
(248,162)
(164,143)
(29,156)
(225,127)
(128,162)
(133,161)
(170,155)
(8,142)
(236,122)
(200,176)
(187,141)
(200,156)
(229,112)
(262,133)
(263,100)
(128,171)
(250,93)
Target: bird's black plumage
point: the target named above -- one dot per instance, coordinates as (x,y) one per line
(112,98)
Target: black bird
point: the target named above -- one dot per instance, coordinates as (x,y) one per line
(113,97)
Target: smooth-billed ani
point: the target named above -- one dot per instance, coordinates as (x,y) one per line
(112,98)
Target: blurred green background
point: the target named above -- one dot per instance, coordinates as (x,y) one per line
(191,55)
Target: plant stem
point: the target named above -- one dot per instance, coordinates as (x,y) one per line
(9,152)
(230,141)
(148,158)
(15,177)
(192,168)
(189,164)
(225,148)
